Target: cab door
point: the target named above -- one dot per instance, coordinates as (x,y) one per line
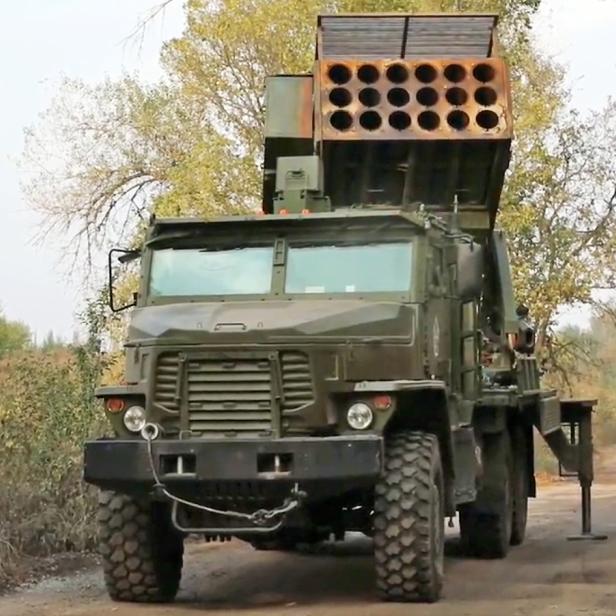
(438,319)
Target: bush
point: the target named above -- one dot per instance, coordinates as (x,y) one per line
(47,411)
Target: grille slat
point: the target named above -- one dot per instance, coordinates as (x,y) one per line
(228,396)
(227,387)
(228,406)
(222,366)
(232,394)
(196,416)
(216,377)
(230,426)
(296,380)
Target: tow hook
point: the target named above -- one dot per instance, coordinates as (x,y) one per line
(264,520)
(150,432)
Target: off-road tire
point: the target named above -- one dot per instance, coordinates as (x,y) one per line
(142,554)
(409,519)
(520,486)
(486,524)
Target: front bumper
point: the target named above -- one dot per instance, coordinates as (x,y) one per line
(327,466)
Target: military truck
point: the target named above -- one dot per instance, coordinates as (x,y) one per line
(351,358)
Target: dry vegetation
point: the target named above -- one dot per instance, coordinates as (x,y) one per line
(46,413)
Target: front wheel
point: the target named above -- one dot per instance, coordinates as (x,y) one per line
(142,553)
(409,519)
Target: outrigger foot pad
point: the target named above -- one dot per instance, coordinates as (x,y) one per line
(587,537)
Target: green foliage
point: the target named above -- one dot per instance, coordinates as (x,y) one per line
(14,336)
(559,209)
(47,411)
(585,367)
(118,148)
(191,145)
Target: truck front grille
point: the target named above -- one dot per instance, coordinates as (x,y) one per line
(231,394)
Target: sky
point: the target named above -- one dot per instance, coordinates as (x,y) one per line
(40,42)
(43,40)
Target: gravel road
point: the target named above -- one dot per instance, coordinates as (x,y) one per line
(546,576)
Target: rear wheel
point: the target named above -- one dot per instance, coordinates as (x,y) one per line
(520,486)
(409,519)
(142,553)
(486,524)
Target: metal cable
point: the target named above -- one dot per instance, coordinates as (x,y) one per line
(258,518)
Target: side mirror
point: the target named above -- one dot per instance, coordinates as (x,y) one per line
(126,256)
(470,270)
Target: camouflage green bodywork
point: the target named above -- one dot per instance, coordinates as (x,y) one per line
(407,345)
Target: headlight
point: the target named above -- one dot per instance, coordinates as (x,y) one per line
(134,418)
(360,416)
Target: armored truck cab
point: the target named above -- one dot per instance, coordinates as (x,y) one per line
(350,359)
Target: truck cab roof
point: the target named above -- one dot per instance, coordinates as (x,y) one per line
(341,217)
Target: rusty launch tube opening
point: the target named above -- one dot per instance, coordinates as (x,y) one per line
(425,73)
(485,96)
(484,73)
(427,97)
(397,73)
(368,73)
(456,96)
(339,74)
(369,97)
(458,120)
(341,120)
(340,97)
(398,97)
(455,73)
(428,120)
(370,120)
(399,120)
(487,119)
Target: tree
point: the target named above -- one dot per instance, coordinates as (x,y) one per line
(559,209)
(51,342)
(14,336)
(103,157)
(192,143)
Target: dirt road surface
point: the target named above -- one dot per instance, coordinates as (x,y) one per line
(547,576)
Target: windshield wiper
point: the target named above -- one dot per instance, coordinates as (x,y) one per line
(170,237)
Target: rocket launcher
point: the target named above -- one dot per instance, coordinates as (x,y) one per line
(401,110)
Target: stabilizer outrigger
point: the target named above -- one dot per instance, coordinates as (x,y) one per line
(572,444)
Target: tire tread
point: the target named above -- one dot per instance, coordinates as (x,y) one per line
(404,567)
(142,555)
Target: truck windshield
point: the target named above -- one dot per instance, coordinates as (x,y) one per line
(237,271)
(349,269)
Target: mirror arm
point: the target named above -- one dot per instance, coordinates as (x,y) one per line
(127,257)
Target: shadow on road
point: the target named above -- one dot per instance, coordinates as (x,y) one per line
(339,573)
